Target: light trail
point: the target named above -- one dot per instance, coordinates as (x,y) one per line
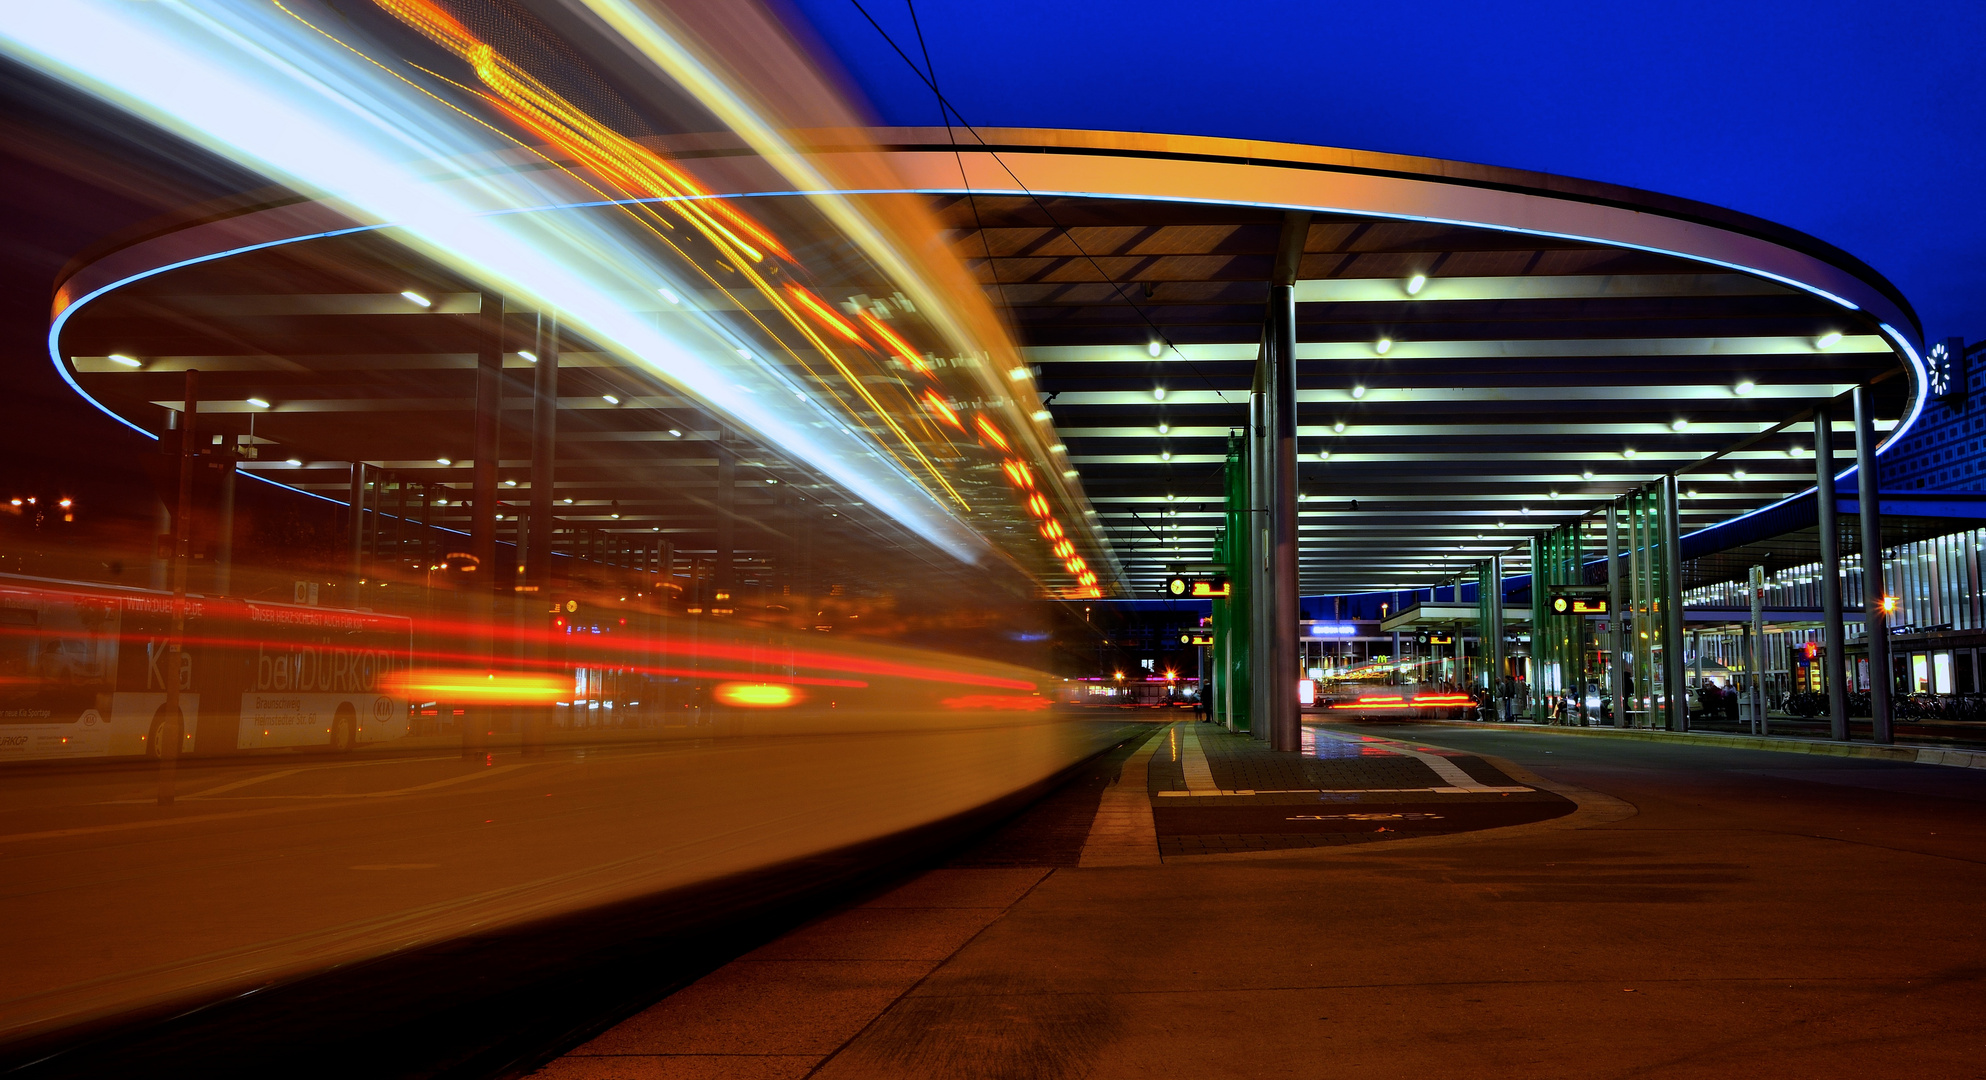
(251,83)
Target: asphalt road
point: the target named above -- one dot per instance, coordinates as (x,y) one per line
(270,870)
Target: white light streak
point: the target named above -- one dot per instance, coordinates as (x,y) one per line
(250,82)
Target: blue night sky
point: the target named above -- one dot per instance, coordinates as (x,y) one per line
(1863,124)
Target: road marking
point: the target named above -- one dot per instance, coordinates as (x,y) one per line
(1336,791)
(1407,816)
(86,830)
(1442,767)
(1199,777)
(480,773)
(280,773)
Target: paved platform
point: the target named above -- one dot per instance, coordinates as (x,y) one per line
(1705,912)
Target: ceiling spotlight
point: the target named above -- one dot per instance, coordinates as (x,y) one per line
(1168,496)
(1019,373)
(770,480)
(443,461)
(1154,347)
(1164,428)
(568,502)
(418,298)
(1323,455)
(1042,415)
(1551,494)
(668,294)
(1744,388)
(1165,455)
(510,483)
(1058,448)
(1828,340)
(1690,494)
(258,403)
(1158,393)
(127,361)
(441,502)
(610,399)
(1678,424)
(676,432)
(1794,451)
(1338,426)
(1414,284)
(1737,474)
(1385,344)
(528,356)
(294,461)
(1586,474)
(1071,474)
(1628,453)
(1525,510)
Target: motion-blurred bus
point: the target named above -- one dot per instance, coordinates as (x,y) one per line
(83,672)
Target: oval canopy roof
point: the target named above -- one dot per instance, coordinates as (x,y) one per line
(1482,353)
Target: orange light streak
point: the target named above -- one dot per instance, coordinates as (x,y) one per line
(943,412)
(822,312)
(757,695)
(473,688)
(995,437)
(996,701)
(903,351)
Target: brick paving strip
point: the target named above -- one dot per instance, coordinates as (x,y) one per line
(1123,834)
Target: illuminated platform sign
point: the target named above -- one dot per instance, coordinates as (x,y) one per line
(1198,588)
(1333,629)
(1579,605)
(1196,638)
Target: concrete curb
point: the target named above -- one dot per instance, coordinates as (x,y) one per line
(1593,809)
(1921,755)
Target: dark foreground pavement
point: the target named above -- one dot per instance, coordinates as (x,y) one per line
(1704,912)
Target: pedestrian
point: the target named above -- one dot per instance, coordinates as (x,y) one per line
(1508,692)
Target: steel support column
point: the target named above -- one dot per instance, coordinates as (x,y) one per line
(1674,692)
(1285,718)
(724,580)
(1540,634)
(355,540)
(224,530)
(1616,638)
(1755,658)
(168,736)
(1257,547)
(1496,652)
(544,455)
(1875,618)
(1827,523)
(489,420)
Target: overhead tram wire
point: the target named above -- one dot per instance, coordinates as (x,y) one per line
(1115,287)
(945,115)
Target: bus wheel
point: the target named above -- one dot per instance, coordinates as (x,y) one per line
(344,730)
(167,728)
